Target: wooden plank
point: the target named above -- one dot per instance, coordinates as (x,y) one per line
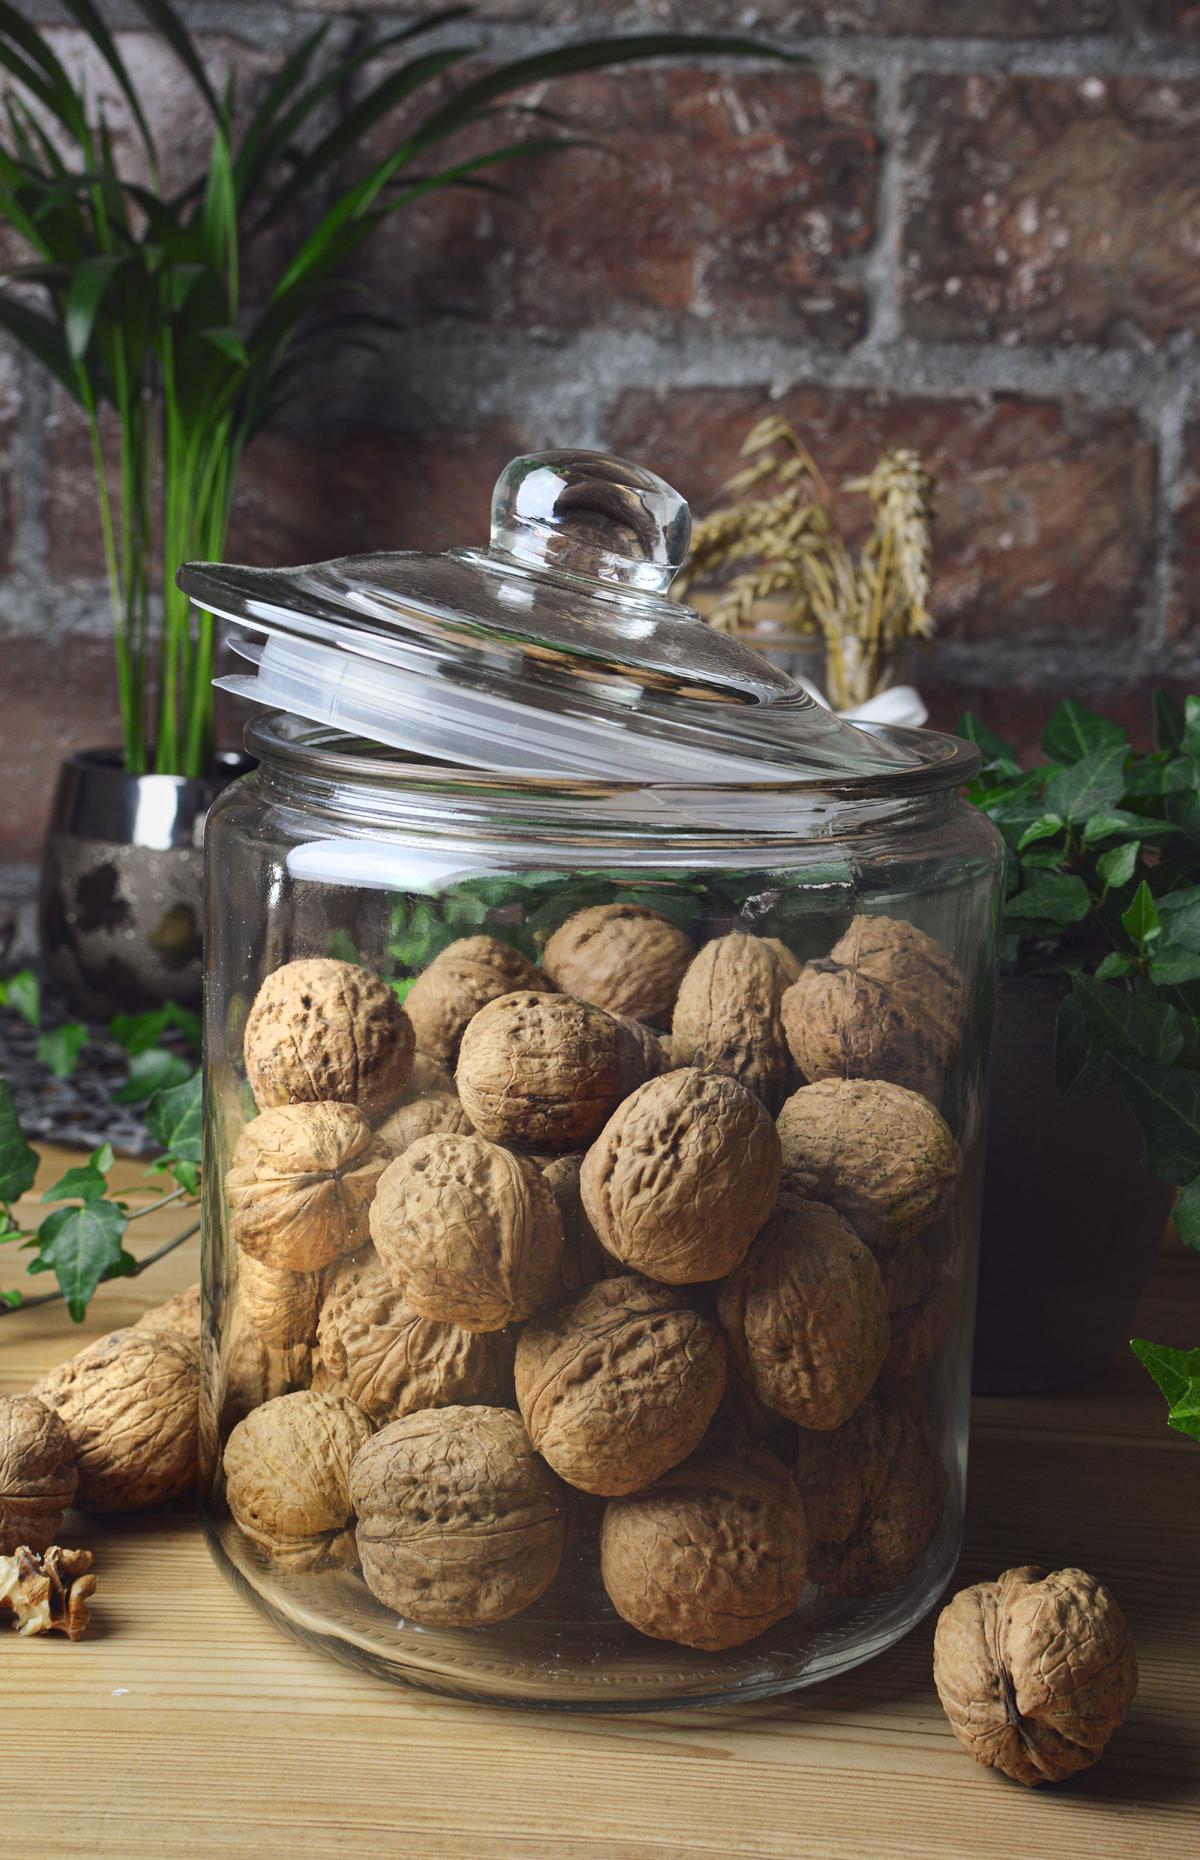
(187,1726)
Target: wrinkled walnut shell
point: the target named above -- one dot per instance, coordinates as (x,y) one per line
(383,1356)
(878,1153)
(902,1491)
(180,1313)
(325,1032)
(682,1176)
(427,1075)
(727,1013)
(38,1475)
(424,1117)
(303,1178)
(468,1232)
(130,1402)
(619,1384)
(584,1257)
(459,1523)
(711,1555)
(283,1307)
(806,1315)
(466,975)
(1035,1672)
(287,1468)
(544,1072)
(621,957)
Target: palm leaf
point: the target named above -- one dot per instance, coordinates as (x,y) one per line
(105,44)
(290,73)
(89,283)
(42,338)
(172,29)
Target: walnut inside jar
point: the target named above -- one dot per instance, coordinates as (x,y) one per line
(390,1361)
(287,1467)
(461,980)
(727,1014)
(303,1178)
(878,1153)
(544,1072)
(622,957)
(326,1032)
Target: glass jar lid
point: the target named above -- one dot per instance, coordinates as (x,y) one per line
(554,651)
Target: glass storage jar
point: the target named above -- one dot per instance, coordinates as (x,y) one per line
(595,1083)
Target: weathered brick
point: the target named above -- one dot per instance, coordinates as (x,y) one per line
(730,199)
(1045,508)
(59,695)
(1052,209)
(1185,604)
(997,19)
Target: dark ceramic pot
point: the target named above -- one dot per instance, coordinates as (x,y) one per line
(1071,1220)
(121,905)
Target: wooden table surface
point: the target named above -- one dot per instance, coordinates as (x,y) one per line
(186,1725)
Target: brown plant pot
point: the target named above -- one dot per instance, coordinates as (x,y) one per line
(1071,1220)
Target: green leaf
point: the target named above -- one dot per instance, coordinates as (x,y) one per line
(187,1174)
(995,751)
(1179,914)
(83,1183)
(1141,921)
(137,1032)
(60,1049)
(1177,1373)
(1168,723)
(89,283)
(18,1161)
(82,1246)
(1166,1102)
(1094,783)
(1117,867)
(1114,966)
(102,39)
(1054,898)
(1121,823)
(1121,1021)
(1187,1215)
(1078,1070)
(1191,727)
(173,30)
(102,1158)
(1173,971)
(1075,732)
(22,993)
(153,1070)
(12,1299)
(174,1119)
(1043,828)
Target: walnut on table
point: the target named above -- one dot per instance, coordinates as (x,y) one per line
(38,1475)
(180,1313)
(47,1591)
(130,1403)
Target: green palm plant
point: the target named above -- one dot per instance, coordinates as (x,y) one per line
(132,297)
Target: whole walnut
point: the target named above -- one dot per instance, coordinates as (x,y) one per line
(727,1014)
(584,1256)
(303,1178)
(38,1475)
(806,1315)
(282,1306)
(427,1075)
(841,1473)
(885,1004)
(622,957)
(459,1522)
(922,1318)
(682,1176)
(468,1232)
(619,1384)
(468,974)
(249,1371)
(325,1032)
(385,1357)
(287,1469)
(180,1313)
(544,1072)
(880,1477)
(650,1051)
(1035,1671)
(711,1555)
(361,1269)
(130,1403)
(878,1153)
(421,1117)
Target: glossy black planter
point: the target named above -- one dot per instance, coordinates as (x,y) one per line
(1071,1220)
(121,904)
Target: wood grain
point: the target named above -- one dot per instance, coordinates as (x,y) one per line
(185,1726)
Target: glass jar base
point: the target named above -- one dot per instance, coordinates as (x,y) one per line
(553,1657)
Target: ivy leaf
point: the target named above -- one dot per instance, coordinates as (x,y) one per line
(996,753)
(1119,822)
(154,1069)
(1051,898)
(82,1246)
(18,1161)
(1075,732)
(1043,828)
(84,1183)
(1114,967)
(1173,971)
(1117,866)
(1187,1215)
(1141,921)
(1168,723)
(174,1119)
(1179,914)
(22,993)
(138,1032)
(1119,1021)
(187,1174)
(1094,783)
(1177,1373)
(1077,1070)
(1166,1102)
(12,1299)
(61,1048)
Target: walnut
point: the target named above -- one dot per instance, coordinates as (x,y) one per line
(179,1313)
(879,1485)
(38,1476)
(130,1402)
(325,1032)
(584,1257)
(711,1555)
(250,1371)
(282,1306)
(806,1315)
(885,1004)
(921,1326)
(459,1523)
(682,1176)
(650,1051)
(47,1593)
(302,1180)
(727,1013)
(287,1468)
(458,982)
(544,1072)
(361,1269)
(427,1075)
(421,1117)
(385,1357)
(468,1232)
(622,957)
(878,1153)
(619,1384)
(1035,1672)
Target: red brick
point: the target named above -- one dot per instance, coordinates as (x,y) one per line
(1185,602)
(1045,509)
(997,19)
(1052,210)
(1019,709)
(732,200)
(59,695)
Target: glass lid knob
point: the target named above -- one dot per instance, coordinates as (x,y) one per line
(589,514)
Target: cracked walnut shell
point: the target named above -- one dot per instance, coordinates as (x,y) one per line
(287,1467)
(468,1232)
(130,1403)
(875,1492)
(619,1384)
(461,980)
(1035,1671)
(459,1522)
(682,1176)
(806,1315)
(711,1555)
(302,1181)
(38,1475)
(326,1032)
(544,1072)
(727,1013)
(622,957)
(390,1361)
(878,1153)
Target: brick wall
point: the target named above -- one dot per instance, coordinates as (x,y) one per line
(977,231)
